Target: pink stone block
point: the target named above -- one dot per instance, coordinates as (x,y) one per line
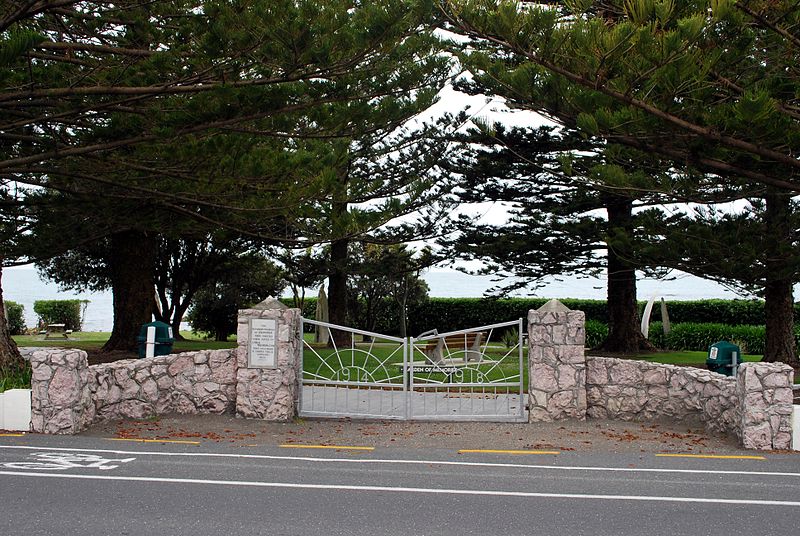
(181,364)
(64,389)
(543,377)
(777,379)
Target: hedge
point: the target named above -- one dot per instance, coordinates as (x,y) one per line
(699,336)
(15,315)
(451,314)
(447,314)
(67,312)
(732,312)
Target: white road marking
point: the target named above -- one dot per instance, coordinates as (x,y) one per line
(66,460)
(413,462)
(390,489)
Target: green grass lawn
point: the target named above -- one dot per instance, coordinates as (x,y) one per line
(686,358)
(383,363)
(94,340)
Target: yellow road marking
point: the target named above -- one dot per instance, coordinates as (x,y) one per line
(12,435)
(711,456)
(491,451)
(153,440)
(337,447)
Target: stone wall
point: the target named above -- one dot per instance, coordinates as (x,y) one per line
(68,395)
(631,390)
(190,383)
(60,400)
(270,393)
(756,406)
(557,366)
(765,394)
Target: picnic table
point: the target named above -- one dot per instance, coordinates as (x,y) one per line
(56,331)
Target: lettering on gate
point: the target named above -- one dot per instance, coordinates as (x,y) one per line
(263,346)
(432,368)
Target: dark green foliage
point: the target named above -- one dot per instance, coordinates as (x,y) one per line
(733,312)
(246,281)
(16,378)
(67,312)
(448,314)
(596,333)
(15,316)
(699,336)
(385,282)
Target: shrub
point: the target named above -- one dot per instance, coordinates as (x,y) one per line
(731,312)
(596,333)
(510,338)
(67,312)
(15,315)
(16,379)
(453,314)
(698,336)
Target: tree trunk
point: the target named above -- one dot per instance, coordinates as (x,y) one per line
(10,359)
(132,283)
(624,333)
(337,292)
(177,318)
(778,293)
(402,302)
(221,334)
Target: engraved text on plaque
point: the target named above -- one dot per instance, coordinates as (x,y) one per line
(263,343)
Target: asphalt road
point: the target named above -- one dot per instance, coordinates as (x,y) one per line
(95,484)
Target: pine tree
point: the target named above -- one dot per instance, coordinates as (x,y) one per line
(576,206)
(197,106)
(709,84)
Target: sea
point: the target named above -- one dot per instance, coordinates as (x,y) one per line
(22,284)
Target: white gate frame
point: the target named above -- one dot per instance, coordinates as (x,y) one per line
(364,384)
(454,365)
(363,389)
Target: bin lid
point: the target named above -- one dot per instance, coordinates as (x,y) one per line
(161,328)
(725,345)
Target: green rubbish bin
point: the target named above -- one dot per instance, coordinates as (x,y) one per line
(164,339)
(721,356)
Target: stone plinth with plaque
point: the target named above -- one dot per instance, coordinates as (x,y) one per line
(269,361)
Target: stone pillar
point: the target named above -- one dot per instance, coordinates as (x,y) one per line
(764,392)
(557,365)
(268,380)
(61,400)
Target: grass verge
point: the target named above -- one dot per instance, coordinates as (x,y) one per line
(94,340)
(16,379)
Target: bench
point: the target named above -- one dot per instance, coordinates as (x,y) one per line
(466,345)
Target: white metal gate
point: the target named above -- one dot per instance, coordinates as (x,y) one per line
(474,374)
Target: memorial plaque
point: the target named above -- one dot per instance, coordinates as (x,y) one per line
(263,347)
